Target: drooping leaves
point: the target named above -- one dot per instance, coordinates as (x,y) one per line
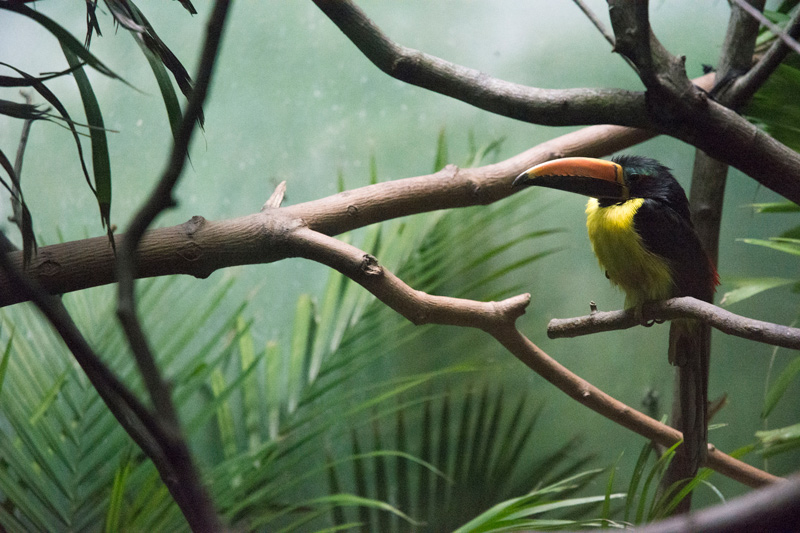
(101,162)
(127,15)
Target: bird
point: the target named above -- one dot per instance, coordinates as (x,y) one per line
(642,234)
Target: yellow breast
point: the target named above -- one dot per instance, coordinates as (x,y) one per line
(642,274)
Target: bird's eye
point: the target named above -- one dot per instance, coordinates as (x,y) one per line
(633,177)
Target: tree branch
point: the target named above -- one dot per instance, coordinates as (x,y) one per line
(671,105)
(182,478)
(417,306)
(774,28)
(746,86)
(497,319)
(600,402)
(552,107)
(607,35)
(685,307)
(199,247)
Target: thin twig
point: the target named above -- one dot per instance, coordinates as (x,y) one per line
(184,483)
(774,28)
(685,307)
(596,21)
(746,86)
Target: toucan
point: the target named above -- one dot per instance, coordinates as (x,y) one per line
(642,234)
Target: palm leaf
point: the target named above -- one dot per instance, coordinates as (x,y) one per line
(62,444)
(468,451)
(264,416)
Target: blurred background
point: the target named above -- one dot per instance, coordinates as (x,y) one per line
(292,99)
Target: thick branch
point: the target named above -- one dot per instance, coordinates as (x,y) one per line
(685,307)
(553,107)
(672,105)
(416,306)
(681,110)
(199,246)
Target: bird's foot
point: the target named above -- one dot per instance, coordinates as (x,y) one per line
(638,313)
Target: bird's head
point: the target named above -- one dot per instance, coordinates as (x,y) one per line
(611,182)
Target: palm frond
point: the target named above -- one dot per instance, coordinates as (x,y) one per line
(61,448)
(456,472)
(260,417)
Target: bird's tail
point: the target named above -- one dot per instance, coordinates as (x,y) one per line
(689,348)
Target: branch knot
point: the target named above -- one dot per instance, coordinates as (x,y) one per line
(370,266)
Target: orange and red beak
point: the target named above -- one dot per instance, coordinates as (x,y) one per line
(597,178)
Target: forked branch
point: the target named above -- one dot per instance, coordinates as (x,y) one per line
(498,319)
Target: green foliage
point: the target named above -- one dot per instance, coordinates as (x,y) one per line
(260,418)
(472,455)
(774,108)
(101,163)
(775,441)
(519,514)
(778,388)
(788,242)
(159,56)
(647,502)
(780,440)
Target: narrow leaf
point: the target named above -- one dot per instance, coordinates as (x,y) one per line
(118,488)
(441,151)
(101,162)
(168,95)
(748,287)
(789,246)
(4,362)
(49,398)
(779,387)
(776,207)
(224,415)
